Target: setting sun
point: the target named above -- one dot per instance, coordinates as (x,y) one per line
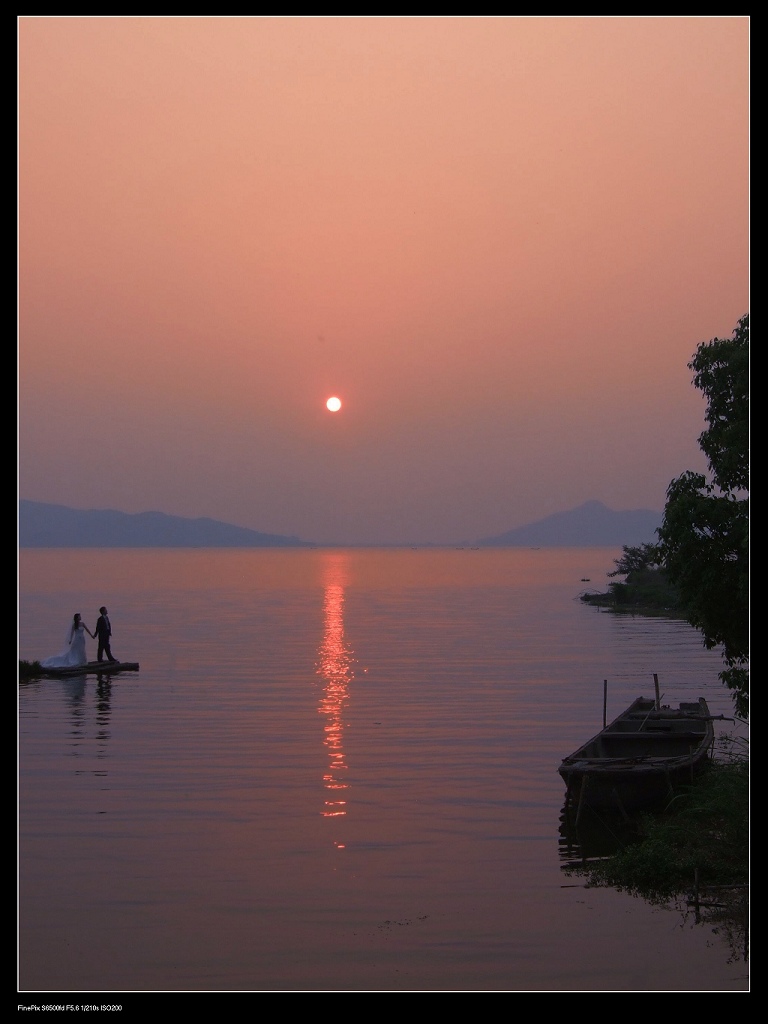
(333,404)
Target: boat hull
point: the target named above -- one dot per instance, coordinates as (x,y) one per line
(641,758)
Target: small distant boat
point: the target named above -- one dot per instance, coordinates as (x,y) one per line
(641,757)
(102,667)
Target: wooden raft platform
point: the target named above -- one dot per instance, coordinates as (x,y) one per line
(102,667)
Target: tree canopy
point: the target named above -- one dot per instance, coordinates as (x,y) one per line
(704,537)
(636,559)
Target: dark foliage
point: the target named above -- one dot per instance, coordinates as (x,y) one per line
(647,587)
(694,857)
(637,559)
(704,537)
(29,670)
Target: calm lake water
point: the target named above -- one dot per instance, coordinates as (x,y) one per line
(336,770)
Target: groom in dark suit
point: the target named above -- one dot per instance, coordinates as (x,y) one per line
(103,633)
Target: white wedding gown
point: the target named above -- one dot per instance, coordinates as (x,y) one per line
(72,655)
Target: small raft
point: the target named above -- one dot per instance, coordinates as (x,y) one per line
(100,667)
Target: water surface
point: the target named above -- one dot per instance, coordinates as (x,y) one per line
(335,770)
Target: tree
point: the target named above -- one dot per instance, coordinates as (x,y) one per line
(636,559)
(647,585)
(646,589)
(704,536)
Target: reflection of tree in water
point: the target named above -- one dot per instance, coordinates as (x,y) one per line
(334,666)
(690,857)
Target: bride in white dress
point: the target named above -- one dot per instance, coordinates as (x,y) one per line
(74,653)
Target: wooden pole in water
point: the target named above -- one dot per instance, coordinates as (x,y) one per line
(656,684)
(605,701)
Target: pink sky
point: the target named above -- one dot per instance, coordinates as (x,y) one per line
(498,240)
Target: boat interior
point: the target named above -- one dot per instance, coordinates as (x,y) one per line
(643,744)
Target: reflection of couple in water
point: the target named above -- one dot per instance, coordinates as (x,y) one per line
(74,653)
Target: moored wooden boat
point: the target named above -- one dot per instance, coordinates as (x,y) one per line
(102,667)
(641,757)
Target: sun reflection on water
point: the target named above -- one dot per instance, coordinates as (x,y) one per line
(335,667)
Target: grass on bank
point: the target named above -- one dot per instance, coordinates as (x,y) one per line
(700,840)
(693,857)
(30,670)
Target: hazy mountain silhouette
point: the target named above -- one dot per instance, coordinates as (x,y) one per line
(590,525)
(56,526)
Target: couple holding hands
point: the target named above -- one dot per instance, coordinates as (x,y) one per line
(74,653)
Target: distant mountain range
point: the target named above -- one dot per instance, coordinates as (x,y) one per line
(57,526)
(590,525)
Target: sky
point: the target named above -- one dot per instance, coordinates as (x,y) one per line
(498,241)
